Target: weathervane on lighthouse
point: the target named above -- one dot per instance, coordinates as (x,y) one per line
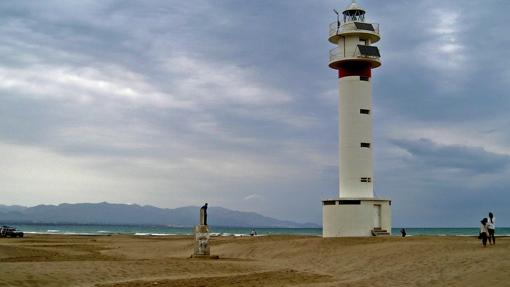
(356,212)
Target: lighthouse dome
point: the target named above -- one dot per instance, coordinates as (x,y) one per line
(353,9)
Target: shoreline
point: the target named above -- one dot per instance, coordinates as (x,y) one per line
(216,231)
(213,235)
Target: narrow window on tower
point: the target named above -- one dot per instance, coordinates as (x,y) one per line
(366,179)
(364,78)
(365,145)
(364,111)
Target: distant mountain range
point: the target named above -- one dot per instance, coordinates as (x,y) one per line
(133,214)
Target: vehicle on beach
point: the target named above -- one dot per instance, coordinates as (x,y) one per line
(7,231)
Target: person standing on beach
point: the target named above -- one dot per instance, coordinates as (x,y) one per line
(484,233)
(491,227)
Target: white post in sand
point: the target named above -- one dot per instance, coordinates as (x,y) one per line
(356,212)
(201,241)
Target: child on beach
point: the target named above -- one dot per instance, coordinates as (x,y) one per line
(484,233)
(491,228)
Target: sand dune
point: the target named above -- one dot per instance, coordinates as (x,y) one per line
(263,261)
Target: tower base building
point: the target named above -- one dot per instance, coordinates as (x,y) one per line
(356,212)
(351,217)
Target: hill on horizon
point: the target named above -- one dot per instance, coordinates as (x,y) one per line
(134,214)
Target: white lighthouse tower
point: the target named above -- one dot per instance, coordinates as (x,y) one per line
(356,212)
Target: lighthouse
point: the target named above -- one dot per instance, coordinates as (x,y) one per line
(356,212)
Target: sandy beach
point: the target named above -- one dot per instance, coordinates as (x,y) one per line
(56,260)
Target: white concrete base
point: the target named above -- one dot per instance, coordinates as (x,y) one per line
(202,241)
(352,217)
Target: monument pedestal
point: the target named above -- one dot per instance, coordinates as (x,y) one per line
(354,217)
(202,249)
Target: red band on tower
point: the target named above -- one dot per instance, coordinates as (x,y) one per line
(355,69)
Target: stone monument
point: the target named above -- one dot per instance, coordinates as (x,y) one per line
(202,249)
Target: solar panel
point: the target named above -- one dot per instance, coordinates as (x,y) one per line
(370,51)
(364,26)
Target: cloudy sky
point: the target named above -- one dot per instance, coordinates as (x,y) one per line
(173,103)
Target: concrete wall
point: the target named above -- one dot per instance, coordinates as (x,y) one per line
(354,220)
(355,128)
(351,44)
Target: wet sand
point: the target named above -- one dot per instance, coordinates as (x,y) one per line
(56,260)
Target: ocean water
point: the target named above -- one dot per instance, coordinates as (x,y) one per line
(146,230)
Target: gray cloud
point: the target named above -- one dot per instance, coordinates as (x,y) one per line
(475,160)
(172,103)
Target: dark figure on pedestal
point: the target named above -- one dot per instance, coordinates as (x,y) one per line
(203,214)
(201,231)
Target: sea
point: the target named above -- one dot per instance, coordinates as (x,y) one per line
(147,230)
